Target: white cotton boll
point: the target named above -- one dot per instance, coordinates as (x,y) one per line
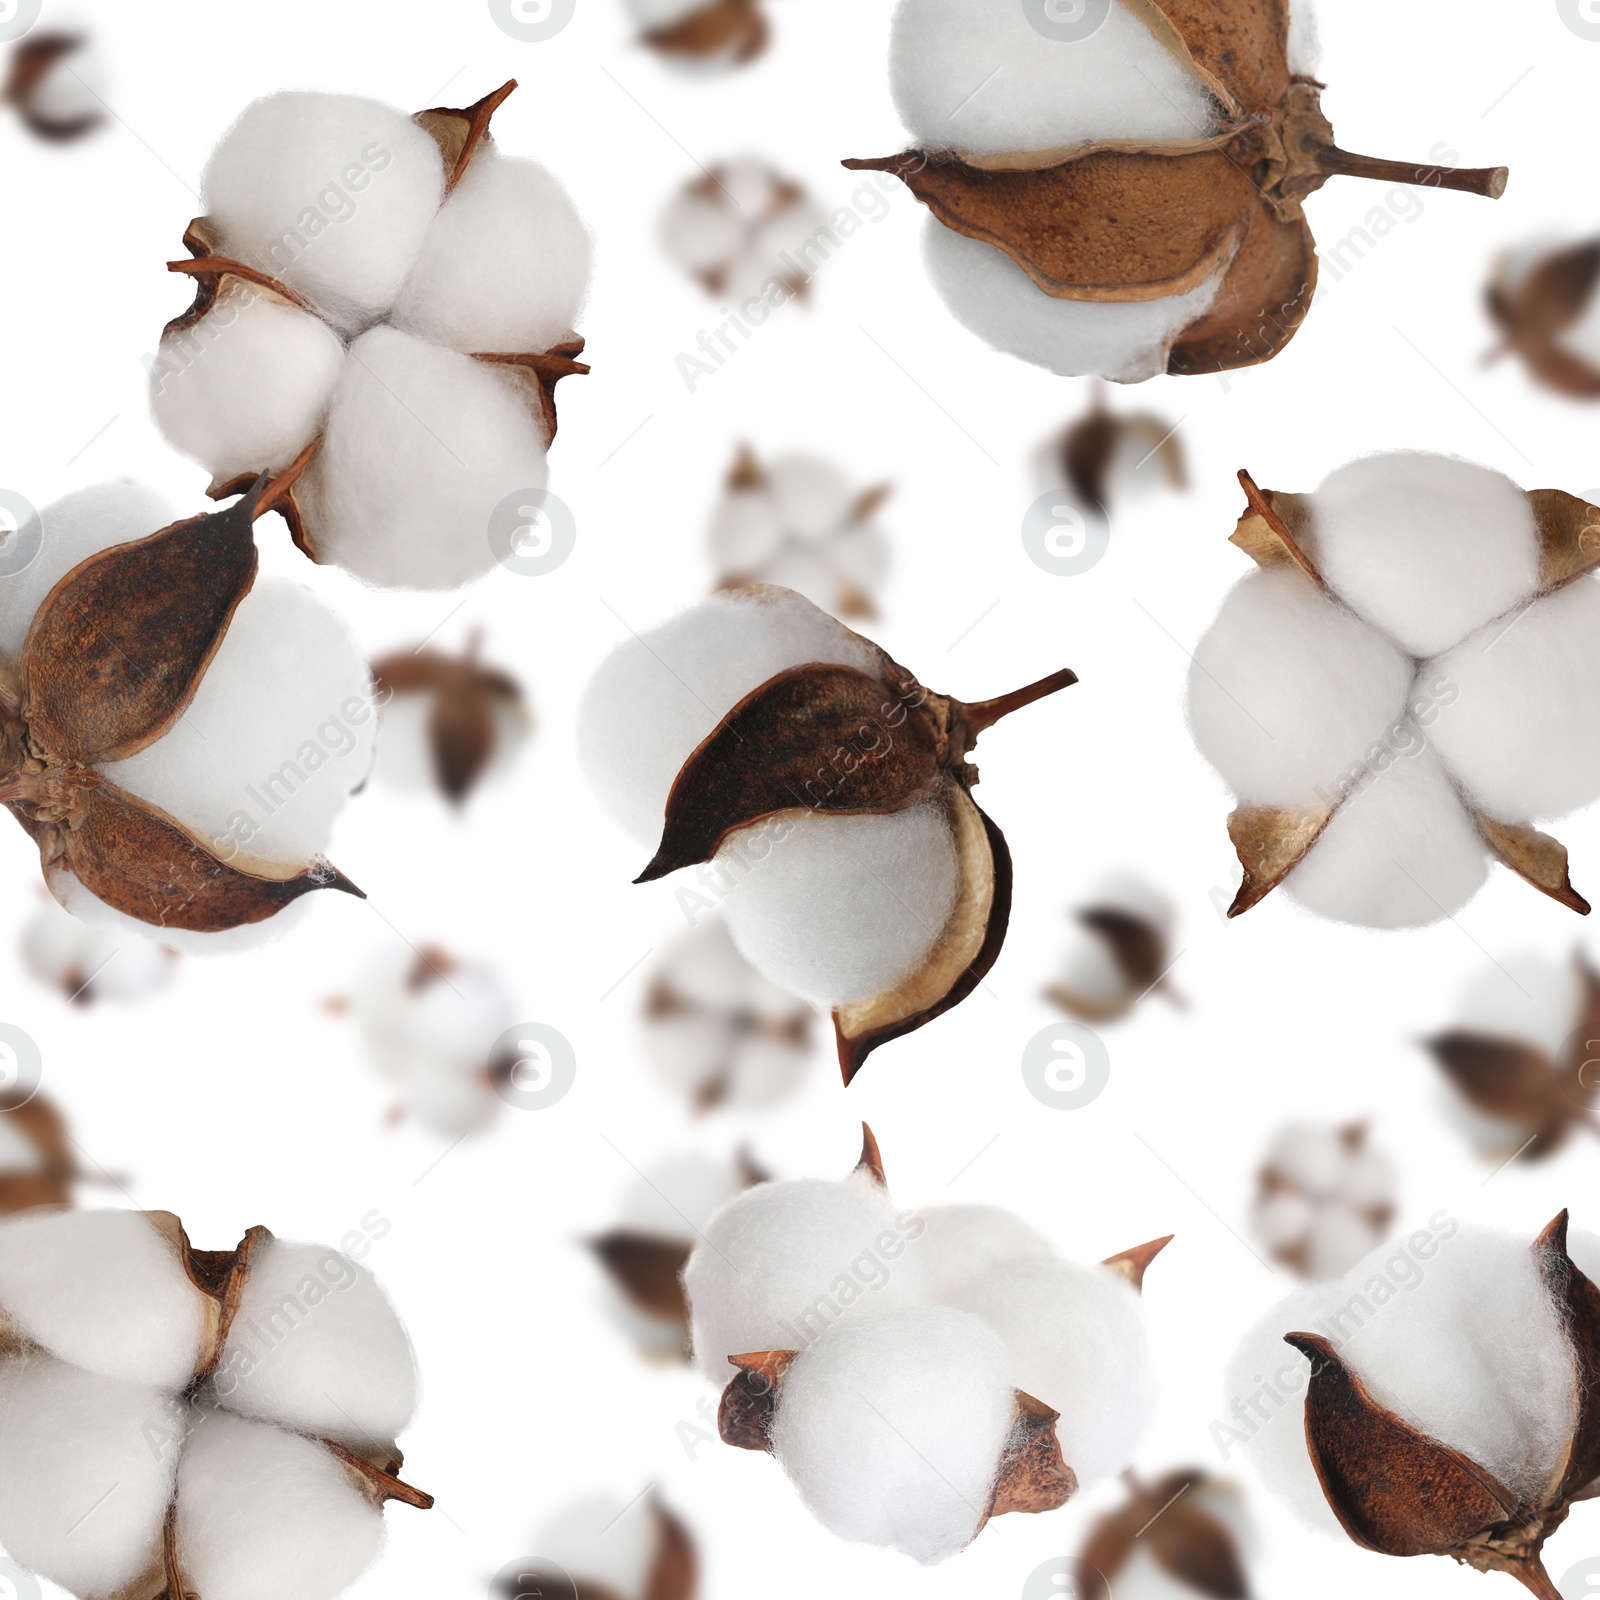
(74,528)
(746,531)
(961,1244)
(701,232)
(86,1472)
(812,496)
(1305,39)
(17,1153)
(782,1262)
(1092,973)
(1337,1240)
(71,895)
(317,1346)
(605,1542)
(656,697)
(1399,853)
(1368,1179)
(1289,692)
(456,1020)
(278,734)
(331,194)
(105,1291)
(505,265)
(422,445)
(1425,547)
(991,296)
(845,907)
(66,953)
(263,1514)
(1527,996)
(1523,736)
(679,1197)
(1124,81)
(1310,1155)
(1077,1342)
(1283,1219)
(861,555)
(892,1428)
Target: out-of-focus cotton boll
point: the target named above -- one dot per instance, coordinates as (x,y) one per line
(422,444)
(961,1244)
(892,1428)
(1524,734)
(783,1261)
(1288,692)
(316,1345)
(654,14)
(71,1442)
(1582,338)
(505,265)
(1426,548)
(103,1290)
(245,388)
(18,1154)
(1527,996)
(604,1541)
(263,1514)
(330,194)
(72,529)
(657,696)
(279,734)
(1399,853)
(1075,1338)
(1122,82)
(844,907)
(991,296)
(88,964)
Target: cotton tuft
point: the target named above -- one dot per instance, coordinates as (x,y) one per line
(962,1244)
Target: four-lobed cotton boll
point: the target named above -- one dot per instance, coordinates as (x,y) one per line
(1326,1198)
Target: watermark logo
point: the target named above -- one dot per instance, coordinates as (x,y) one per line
(534,1066)
(532,532)
(16,17)
(1067,21)
(1061,538)
(532,1578)
(21,1072)
(532,21)
(1065,1578)
(21,532)
(1066,1066)
(1582,17)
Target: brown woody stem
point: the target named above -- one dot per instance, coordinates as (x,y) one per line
(1488,181)
(1532,1576)
(985,713)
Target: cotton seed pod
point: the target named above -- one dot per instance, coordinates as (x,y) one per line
(1106,457)
(1404,688)
(604,1548)
(702,35)
(799,523)
(1520,1058)
(1124,199)
(1325,1199)
(720,1033)
(905,1404)
(244,1401)
(175,737)
(447,722)
(1123,953)
(37,1163)
(384,307)
(86,964)
(1545,300)
(1442,1400)
(49,85)
(770,739)
(1185,1533)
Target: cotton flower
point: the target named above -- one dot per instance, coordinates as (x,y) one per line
(191,786)
(915,1376)
(244,1403)
(1121,952)
(1326,1198)
(385,306)
(830,790)
(1183,1534)
(702,35)
(1123,193)
(1545,299)
(1405,688)
(1107,458)
(1434,1400)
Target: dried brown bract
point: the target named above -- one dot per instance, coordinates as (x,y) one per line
(730,31)
(1545,310)
(39,58)
(37,1164)
(1123,954)
(1175,1522)
(1107,454)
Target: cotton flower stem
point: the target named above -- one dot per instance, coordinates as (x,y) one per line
(985,713)
(1532,1576)
(1334,162)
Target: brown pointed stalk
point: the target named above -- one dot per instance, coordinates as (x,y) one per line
(379,1480)
(1490,182)
(1133,1264)
(871,1161)
(461,133)
(984,714)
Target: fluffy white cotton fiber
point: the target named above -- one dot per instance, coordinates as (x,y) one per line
(86,1473)
(782,1262)
(1075,1340)
(980,77)
(263,1514)
(961,1244)
(1523,736)
(658,695)
(74,528)
(892,1428)
(105,1291)
(1305,39)
(1288,691)
(1425,547)
(844,907)
(505,265)
(422,444)
(605,1542)
(991,296)
(246,388)
(317,1346)
(279,734)
(330,194)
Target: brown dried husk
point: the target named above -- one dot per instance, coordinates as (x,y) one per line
(460,134)
(1197,1550)
(1271,841)
(833,740)
(735,29)
(45,1129)
(36,55)
(115,654)
(1088,449)
(1550,300)
(1401,1493)
(1132,221)
(1139,948)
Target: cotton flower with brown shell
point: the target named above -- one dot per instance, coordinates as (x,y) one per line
(1108,458)
(1122,952)
(52,84)
(1325,1198)
(1545,300)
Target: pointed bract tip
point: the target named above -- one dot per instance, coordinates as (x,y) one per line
(871,1161)
(1312,1345)
(1133,1264)
(1554,1236)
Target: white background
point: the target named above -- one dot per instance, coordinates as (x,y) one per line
(233,1099)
